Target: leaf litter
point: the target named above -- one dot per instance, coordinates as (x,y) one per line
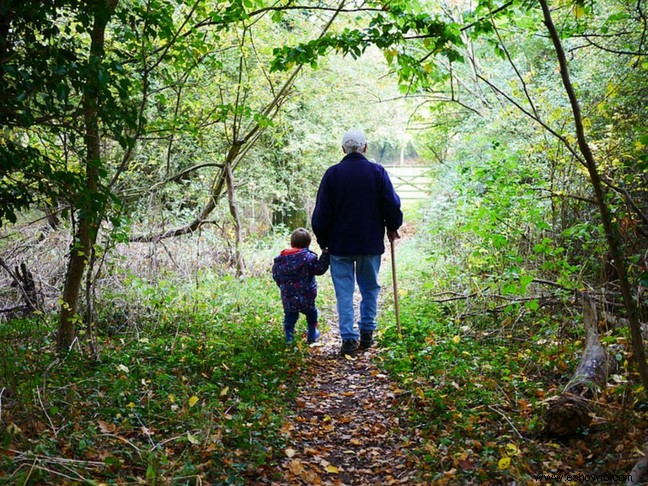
(345,426)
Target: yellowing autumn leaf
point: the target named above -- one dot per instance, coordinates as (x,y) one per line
(512,450)
(296,467)
(456,339)
(13,429)
(504,463)
(224,392)
(192,439)
(193,400)
(431,448)
(331,469)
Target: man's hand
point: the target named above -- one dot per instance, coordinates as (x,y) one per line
(392,235)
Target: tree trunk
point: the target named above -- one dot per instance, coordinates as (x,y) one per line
(28,286)
(52,218)
(240,264)
(572,408)
(611,230)
(90,208)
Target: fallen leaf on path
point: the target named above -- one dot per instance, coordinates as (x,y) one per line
(290,452)
(106,428)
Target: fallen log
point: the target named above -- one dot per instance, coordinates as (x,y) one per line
(639,469)
(572,409)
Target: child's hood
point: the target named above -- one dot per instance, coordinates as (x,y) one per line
(292,260)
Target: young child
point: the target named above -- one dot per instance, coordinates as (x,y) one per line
(294,271)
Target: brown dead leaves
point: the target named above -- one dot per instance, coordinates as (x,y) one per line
(345,427)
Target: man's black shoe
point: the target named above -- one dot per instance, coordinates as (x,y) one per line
(366,339)
(349,347)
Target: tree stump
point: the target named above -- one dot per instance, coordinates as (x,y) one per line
(573,408)
(24,280)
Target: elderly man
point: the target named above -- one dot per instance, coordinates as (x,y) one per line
(356,202)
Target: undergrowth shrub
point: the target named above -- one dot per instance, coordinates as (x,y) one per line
(195,387)
(480,356)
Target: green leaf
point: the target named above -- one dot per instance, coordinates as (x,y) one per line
(532,305)
(643,279)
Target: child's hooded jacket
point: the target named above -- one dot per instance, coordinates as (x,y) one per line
(294,271)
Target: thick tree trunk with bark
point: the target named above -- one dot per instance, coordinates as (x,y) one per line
(89,214)
(571,410)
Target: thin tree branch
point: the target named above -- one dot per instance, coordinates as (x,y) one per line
(628,198)
(560,137)
(517,72)
(611,231)
(565,196)
(489,15)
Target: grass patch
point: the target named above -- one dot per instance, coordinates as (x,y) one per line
(475,390)
(193,389)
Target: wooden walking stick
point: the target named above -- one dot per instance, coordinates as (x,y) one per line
(396,309)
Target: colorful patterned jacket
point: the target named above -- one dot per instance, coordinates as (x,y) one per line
(294,271)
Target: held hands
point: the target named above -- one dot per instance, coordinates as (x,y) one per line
(392,235)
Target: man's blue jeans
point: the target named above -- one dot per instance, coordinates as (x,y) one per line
(345,272)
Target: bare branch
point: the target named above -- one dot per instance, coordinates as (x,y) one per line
(560,137)
(565,196)
(513,65)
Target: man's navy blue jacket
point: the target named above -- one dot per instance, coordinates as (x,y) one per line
(356,201)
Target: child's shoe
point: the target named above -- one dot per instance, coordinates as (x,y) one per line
(313,334)
(290,338)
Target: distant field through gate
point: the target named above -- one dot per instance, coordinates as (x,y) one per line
(411,182)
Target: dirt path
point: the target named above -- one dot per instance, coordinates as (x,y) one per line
(345,428)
